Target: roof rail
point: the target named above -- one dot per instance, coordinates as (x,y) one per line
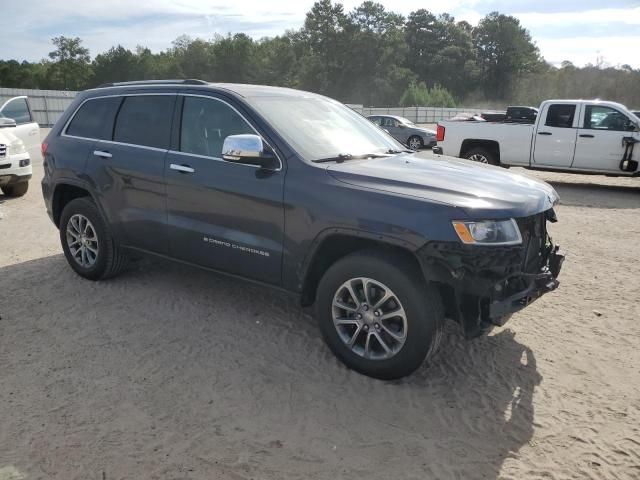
(188,81)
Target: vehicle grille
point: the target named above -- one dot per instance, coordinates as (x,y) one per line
(3,150)
(534,239)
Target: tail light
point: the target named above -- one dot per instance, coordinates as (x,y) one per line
(440,134)
(43,149)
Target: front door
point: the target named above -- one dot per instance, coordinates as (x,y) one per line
(555,140)
(222,215)
(600,145)
(26,129)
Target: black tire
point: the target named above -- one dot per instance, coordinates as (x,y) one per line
(476,153)
(110,259)
(418,140)
(16,190)
(421,302)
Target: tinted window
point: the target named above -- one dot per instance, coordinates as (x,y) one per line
(376,120)
(145,120)
(604,118)
(560,115)
(18,110)
(205,125)
(94,119)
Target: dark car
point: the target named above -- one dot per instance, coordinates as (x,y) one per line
(405,131)
(296,191)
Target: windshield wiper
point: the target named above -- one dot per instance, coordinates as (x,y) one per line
(348,156)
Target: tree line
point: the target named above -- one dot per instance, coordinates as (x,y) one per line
(369,55)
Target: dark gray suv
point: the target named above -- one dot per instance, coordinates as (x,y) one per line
(297,191)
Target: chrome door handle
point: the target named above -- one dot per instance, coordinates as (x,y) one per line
(101,154)
(181,168)
(586,135)
(544,133)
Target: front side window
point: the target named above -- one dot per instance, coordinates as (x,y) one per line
(94,119)
(560,115)
(145,120)
(318,127)
(206,123)
(376,120)
(604,118)
(18,110)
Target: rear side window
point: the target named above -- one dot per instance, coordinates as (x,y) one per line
(95,118)
(560,115)
(205,125)
(18,110)
(145,120)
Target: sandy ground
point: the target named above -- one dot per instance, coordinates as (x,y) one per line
(169,372)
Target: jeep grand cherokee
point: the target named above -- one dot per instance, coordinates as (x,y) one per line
(297,191)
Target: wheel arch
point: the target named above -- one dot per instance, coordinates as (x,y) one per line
(63,193)
(336,244)
(492,146)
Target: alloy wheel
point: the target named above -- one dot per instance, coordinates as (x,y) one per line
(477,157)
(369,318)
(82,240)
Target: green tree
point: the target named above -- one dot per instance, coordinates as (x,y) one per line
(70,69)
(419,95)
(505,53)
(326,49)
(375,75)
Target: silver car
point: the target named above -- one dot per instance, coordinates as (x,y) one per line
(405,131)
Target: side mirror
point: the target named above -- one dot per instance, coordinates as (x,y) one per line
(248,148)
(402,125)
(630,127)
(7,122)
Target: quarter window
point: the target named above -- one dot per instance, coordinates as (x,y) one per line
(205,125)
(145,120)
(604,118)
(95,118)
(560,115)
(18,110)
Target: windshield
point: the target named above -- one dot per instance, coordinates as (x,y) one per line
(318,127)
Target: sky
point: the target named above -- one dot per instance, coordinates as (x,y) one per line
(578,31)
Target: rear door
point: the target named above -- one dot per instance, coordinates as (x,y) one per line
(26,129)
(128,170)
(555,137)
(223,215)
(599,145)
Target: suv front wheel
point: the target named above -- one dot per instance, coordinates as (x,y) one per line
(87,242)
(378,315)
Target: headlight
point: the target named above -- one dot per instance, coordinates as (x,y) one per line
(489,232)
(16,147)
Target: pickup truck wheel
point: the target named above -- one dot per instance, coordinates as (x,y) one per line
(482,156)
(87,242)
(415,142)
(378,315)
(16,190)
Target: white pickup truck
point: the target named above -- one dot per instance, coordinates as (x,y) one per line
(581,136)
(19,143)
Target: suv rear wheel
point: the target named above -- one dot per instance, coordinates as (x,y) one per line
(377,314)
(87,242)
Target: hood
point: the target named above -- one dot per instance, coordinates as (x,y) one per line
(483,191)
(6,136)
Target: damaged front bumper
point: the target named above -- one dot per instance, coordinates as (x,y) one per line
(482,286)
